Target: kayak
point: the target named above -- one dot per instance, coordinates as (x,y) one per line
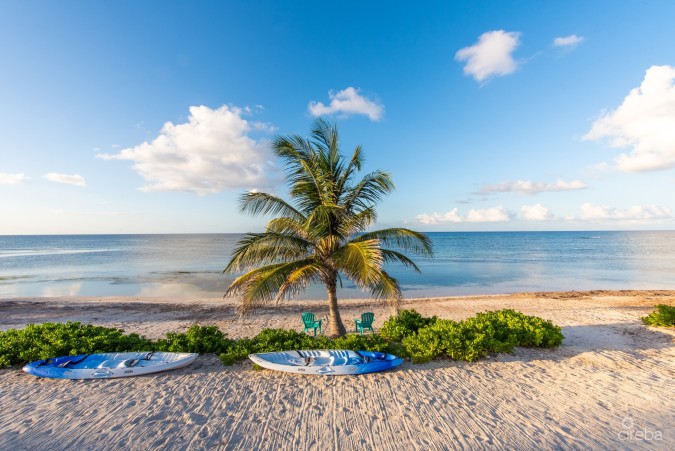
(108,365)
(326,362)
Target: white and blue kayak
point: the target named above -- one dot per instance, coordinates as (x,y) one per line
(108,365)
(326,362)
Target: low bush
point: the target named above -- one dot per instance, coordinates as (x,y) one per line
(408,334)
(406,323)
(199,339)
(373,342)
(473,338)
(664,316)
(41,341)
(270,340)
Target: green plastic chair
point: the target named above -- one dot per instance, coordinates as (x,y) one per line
(366,322)
(310,323)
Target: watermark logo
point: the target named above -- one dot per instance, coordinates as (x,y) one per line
(634,432)
(628,422)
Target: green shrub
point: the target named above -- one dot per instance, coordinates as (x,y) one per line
(427,343)
(406,323)
(41,341)
(514,328)
(239,351)
(270,340)
(462,340)
(373,342)
(199,339)
(473,338)
(664,315)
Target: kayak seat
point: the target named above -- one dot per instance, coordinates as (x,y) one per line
(354,361)
(129,363)
(112,363)
(340,358)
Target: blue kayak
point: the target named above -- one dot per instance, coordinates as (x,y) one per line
(108,365)
(326,362)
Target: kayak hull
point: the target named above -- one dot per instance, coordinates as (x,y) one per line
(108,365)
(326,362)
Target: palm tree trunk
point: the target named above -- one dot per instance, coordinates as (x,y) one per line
(336,328)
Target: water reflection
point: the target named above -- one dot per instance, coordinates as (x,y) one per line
(465,263)
(62,290)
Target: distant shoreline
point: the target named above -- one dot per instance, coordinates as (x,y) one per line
(464,263)
(22,310)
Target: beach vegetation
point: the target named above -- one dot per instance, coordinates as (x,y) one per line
(42,341)
(663,316)
(407,334)
(199,339)
(322,234)
(476,337)
(405,323)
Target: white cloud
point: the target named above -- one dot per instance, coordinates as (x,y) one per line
(536,212)
(70,179)
(496,214)
(491,55)
(210,153)
(347,102)
(569,42)
(644,121)
(528,187)
(590,212)
(451,216)
(12,179)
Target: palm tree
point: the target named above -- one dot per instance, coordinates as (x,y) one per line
(322,234)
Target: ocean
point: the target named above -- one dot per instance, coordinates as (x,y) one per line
(464,263)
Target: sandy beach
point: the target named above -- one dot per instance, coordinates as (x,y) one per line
(610,385)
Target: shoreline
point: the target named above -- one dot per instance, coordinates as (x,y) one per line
(158,315)
(609,385)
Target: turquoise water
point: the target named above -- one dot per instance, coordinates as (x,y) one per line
(464,263)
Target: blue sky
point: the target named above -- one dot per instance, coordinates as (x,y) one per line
(153,116)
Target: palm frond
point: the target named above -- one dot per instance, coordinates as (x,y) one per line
(369,191)
(358,222)
(262,286)
(406,239)
(300,279)
(327,139)
(387,288)
(361,261)
(391,256)
(353,167)
(326,246)
(324,220)
(266,248)
(288,226)
(262,203)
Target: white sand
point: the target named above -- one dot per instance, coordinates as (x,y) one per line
(610,385)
